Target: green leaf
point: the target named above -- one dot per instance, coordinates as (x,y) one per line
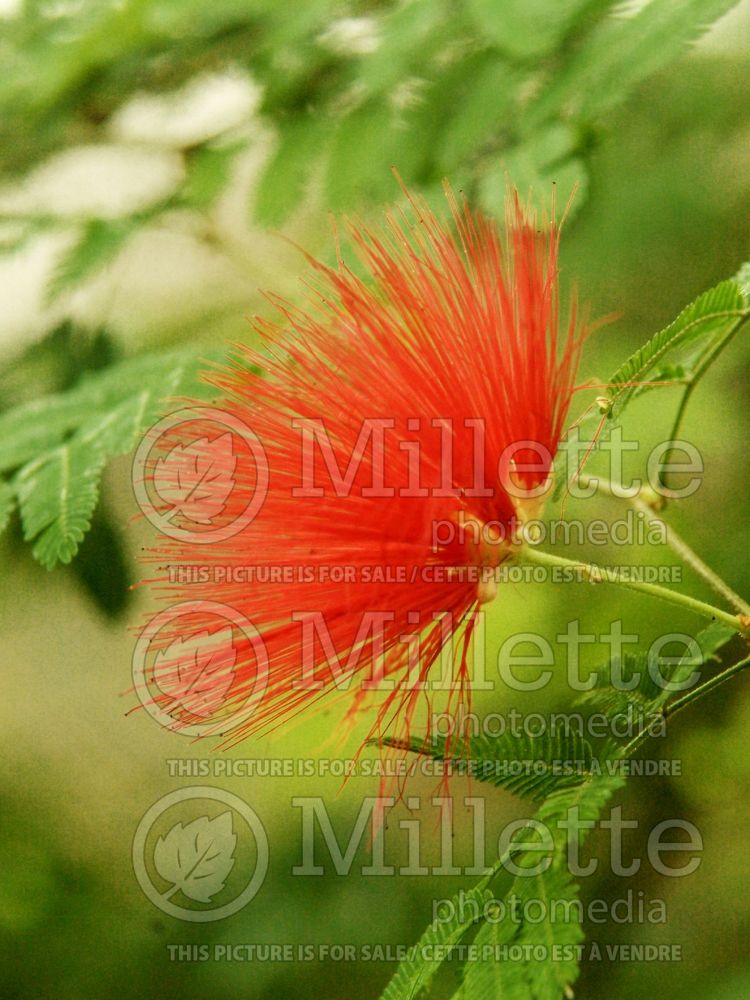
(62,442)
(743,279)
(7,503)
(553,898)
(144,382)
(486,976)
(525,28)
(98,244)
(208,170)
(530,766)
(31,428)
(415,973)
(554,891)
(478,109)
(649,692)
(409,35)
(702,325)
(56,498)
(586,801)
(644,697)
(525,980)
(550,157)
(367,143)
(620,52)
(489,978)
(710,640)
(284,180)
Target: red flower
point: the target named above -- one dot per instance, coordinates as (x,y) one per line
(409,417)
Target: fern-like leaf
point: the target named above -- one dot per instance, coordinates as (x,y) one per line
(651,688)
(56,497)
(490,976)
(416,972)
(638,690)
(529,766)
(282,185)
(208,169)
(7,503)
(583,803)
(711,317)
(556,895)
(621,52)
(60,444)
(97,245)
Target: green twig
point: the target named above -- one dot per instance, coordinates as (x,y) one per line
(687,699)
(606,575)
(704,363)
(678,545)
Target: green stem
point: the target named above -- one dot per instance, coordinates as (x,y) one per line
(689,556)
(678,544)
(679,703)
(606,575)
(704,362)
(687,699)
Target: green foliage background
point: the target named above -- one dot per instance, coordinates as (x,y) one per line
(656,139)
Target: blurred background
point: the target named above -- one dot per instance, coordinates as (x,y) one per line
(152,153)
